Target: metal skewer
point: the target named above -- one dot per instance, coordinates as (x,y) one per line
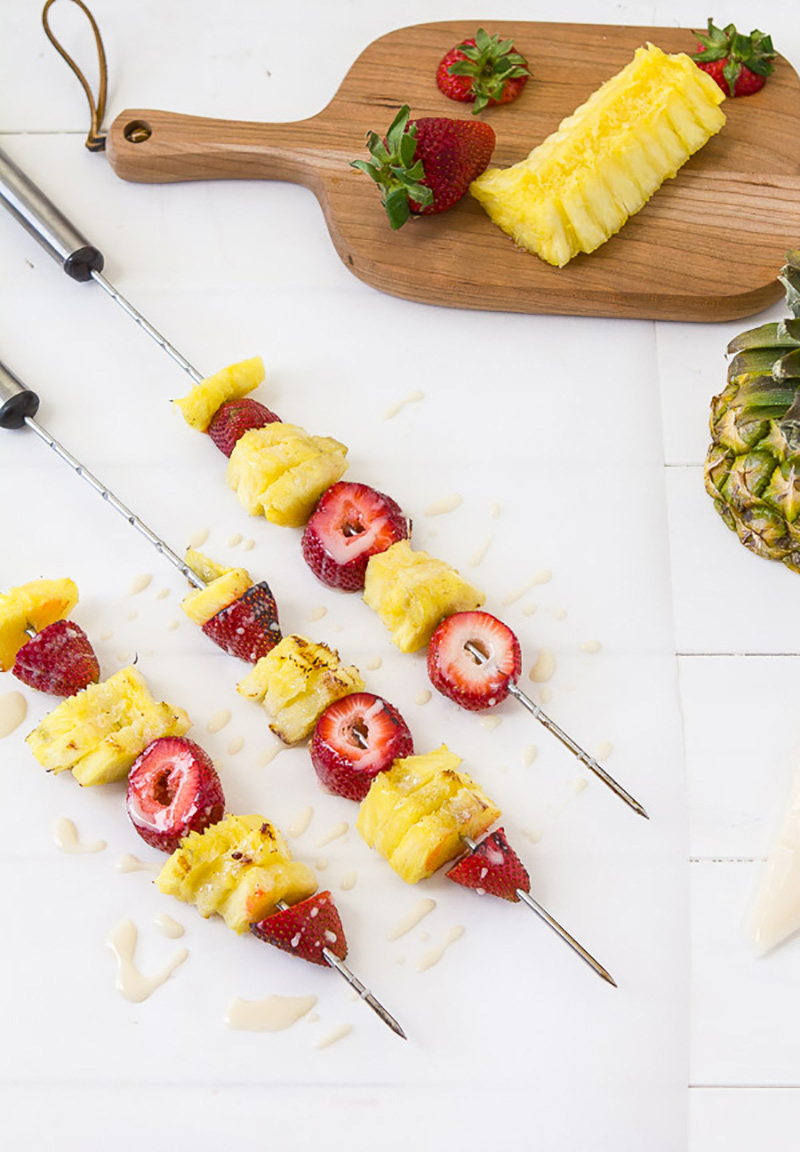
(554,924)
(561,735)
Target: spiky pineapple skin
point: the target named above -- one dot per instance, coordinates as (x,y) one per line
(280,471)
(418,811)
(602,164)
(239,868)
(98,733)
(752,468)
(296,682)
(412,592)
(199,406)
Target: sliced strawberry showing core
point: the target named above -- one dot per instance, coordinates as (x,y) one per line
(474,679)
(247,628)
(173,789)
(59,660)
(305,929)
(235,417)
(350,523)
(493,868)
(356,738)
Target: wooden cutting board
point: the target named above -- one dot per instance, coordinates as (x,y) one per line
(707,246)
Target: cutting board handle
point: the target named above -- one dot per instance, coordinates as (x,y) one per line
(155,147)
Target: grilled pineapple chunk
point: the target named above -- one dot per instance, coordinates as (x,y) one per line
(240,868)
(99,732)
(32,605)
(224,586)
(604,162)
(412,592)
(206,397)
(296,682)
(280,471)
(417,812)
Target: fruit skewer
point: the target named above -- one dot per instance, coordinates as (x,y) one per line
(18,408)
(82,261)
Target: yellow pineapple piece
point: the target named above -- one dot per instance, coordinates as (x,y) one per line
(32,606)
(416,813)
(203,603)
(296,682)
(280,471)
(412,592)
(604,162)
(239,868)
(203,566)
(99,732)
(205,398)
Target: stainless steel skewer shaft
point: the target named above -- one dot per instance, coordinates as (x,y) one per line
(559,929)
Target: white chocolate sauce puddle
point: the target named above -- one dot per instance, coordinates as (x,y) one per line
(301,822)
(544,668)
(446,504)
(13,710)
(434,955)
(170,928)
(272,1014)
(420,910)
(411,398)
(335,832)
(131,983)
(67,839)
(335,1034)
(219,719)
(131,863)
(139,583)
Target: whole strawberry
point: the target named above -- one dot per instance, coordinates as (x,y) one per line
(235,417)
(483,70)
(426,165)
(739,64)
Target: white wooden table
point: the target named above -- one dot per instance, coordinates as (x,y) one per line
(601,484)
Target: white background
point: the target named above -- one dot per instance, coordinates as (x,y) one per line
(589,435)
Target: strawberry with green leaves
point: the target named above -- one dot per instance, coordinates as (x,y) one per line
(739,64)
(425,166)
(483,70)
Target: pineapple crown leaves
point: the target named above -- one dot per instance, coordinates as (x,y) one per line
(491,62)
(790,279)
(754,51)
(395,170)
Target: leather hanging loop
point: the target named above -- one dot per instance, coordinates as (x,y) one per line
(96,140)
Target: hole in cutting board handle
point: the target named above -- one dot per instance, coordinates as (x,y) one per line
(137,131)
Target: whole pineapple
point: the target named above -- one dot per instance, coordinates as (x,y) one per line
(752,469)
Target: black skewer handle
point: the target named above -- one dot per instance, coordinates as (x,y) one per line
(36,213)
(16,401)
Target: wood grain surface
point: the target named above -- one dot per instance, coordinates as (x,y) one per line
(706,247)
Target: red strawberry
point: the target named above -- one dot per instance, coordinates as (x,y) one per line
(472,682)
(235,417)
(426,165)
(173,789)
(356,738)
(483,70)
(59,660)
(739,64)
(305,929)
(493,868)
(350,523)
(247,628)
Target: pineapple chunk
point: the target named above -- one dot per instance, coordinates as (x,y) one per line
(296,682)
(240,868)
(604,162)
(205,398)
(204,603)
(412,592)
(280,471)
(32,605)
(416,813)
(99,732)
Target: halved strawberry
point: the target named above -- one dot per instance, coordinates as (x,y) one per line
(247,628)
(173,789)
(305,929)
(493,868)
(59,660)
(235,417)
(356,738)
(474,681)
(350,523)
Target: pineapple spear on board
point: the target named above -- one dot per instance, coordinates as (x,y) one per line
(752,468)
